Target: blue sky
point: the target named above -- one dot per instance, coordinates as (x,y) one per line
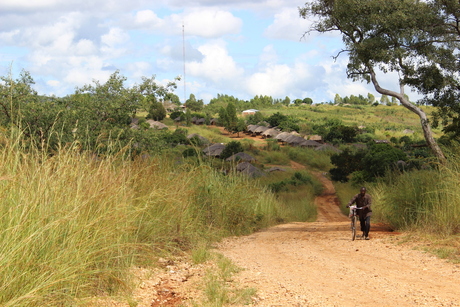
(239,48)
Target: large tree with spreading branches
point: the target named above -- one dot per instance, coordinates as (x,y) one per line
(418,40)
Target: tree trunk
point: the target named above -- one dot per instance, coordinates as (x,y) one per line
(413,108)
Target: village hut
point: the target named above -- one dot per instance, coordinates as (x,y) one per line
(408,131)
(213,121)
(381,142)
(241,156)
(253,129)
(249,169)
(270,133)
(309,143)
(201,139)
(214,150)
(200,121)
(250,129)
(282,136)
(260,129)
(294,140)
(156,125)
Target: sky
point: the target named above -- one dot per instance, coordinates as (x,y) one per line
(241,48)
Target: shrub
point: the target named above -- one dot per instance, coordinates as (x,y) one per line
(230,149)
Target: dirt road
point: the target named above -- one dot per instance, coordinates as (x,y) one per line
(316,264)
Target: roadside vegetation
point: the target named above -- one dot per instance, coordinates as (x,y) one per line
(90,187)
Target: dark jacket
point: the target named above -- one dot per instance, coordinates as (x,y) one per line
(362,201)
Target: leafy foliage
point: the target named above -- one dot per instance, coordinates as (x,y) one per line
(231,148)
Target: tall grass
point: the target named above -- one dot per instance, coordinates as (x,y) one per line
(71,224)
(427,200)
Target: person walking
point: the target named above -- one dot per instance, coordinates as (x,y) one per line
(363,201)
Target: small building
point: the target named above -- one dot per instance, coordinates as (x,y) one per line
(156,125)
(214,150)
(250,112)
(241,156)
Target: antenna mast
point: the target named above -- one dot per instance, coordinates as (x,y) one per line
(183,54)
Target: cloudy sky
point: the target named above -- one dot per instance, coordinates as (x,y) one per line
(236,47)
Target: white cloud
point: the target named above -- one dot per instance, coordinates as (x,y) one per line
(211,23)
(53,83)
(269,56)
(271,82)
(26,4)
(288,25)
(148,19)
(85,47)
(114,37)
(217,65)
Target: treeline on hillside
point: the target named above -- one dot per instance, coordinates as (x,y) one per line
(99,112)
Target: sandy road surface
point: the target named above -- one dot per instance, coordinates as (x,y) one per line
(316,264)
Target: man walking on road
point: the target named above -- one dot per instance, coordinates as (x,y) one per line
(364,202)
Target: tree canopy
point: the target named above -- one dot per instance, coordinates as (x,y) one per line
(416,39)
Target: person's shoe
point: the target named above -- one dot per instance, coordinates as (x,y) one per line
(366,238)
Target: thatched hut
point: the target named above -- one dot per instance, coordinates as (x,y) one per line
(241,156)
(214,150)
(200,121)
(283,136)
(309,143)
(156,125)
(294,140)
(260,129)
(270,133)
(250,129)
(249,169)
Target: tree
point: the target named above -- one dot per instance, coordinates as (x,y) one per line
(384,100)
(223,118)
(237,127)
(387,35)
(307,101)
(346,163)
(230,149)
(370,98)
(37,117)
(157,111)
(275,119)
(153,92)
(286,101)
(380,158)
(193,104)
(337,99)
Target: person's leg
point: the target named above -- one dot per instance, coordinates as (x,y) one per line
(367,226)
(362,222)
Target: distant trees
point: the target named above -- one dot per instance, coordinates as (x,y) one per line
(93,114)
(193,104)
